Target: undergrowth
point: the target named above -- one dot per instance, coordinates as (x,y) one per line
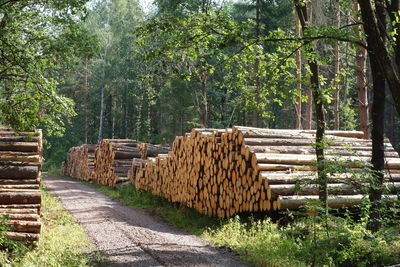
(264,243)
(261,242)
(62,241)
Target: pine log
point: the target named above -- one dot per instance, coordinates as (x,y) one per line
(122,162)
(19,146)
(390,163)
(24,226)
(33,158)
(18,172)
(274,191)
(296,177)
(19,211)
(32,197)
(335,189)
(20,206)
(283,167)
(337,150)
(154,150)
(19,139)
(338,201)
(21,217)
(22,236)
(19,182)
(126,155)
(300,142)
(90,148)
(251,131)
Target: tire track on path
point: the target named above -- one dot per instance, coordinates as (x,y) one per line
(131,237)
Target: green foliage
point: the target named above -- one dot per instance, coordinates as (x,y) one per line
(304,243)
(37,39)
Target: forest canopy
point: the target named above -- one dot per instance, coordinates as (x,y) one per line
(39,40)
(108,69)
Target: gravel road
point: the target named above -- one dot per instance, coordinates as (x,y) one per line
(131,237)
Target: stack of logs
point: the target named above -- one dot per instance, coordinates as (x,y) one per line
(109,162)
(148,152)
(113,159)
(20,170)
(243,169)
(80,162)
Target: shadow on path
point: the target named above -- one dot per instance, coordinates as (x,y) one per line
(131,237)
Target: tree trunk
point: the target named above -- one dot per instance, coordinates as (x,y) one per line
(203,102)
(309,110)
(361,55)
(377,134)
(309,103)
(86,101)
(254,121)
(319,108)
(100,136)
(376,45)
(113,114)
(336,73)
(298,76)
(378,130)
(125,118)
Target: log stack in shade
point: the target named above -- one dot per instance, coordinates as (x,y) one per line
(224,172)
(80,162)
(113,159)
(20,171)
(109,163)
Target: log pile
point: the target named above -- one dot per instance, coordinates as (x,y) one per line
(149,150)
(113,160)
(80,162)
(148,153)
(20,170)
(110,163)
(243,169)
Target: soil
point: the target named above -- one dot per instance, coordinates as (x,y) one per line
(128,236)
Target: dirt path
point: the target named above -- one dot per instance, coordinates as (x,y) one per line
(131,237)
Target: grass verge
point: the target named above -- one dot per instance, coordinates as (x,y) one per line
(62,242)
(262,242)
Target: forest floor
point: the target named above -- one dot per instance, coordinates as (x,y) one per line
(132,237)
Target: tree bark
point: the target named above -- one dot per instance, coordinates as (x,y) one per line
(309,103)
(301,10)
(8,171)
(377,134)
(378,128)
(86,88)
(376,46)
(100,136)
(298,76)
(336,73)
(254,121)
(361,81)
(203,102)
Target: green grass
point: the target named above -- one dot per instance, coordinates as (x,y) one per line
(62,242)
(264,243)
